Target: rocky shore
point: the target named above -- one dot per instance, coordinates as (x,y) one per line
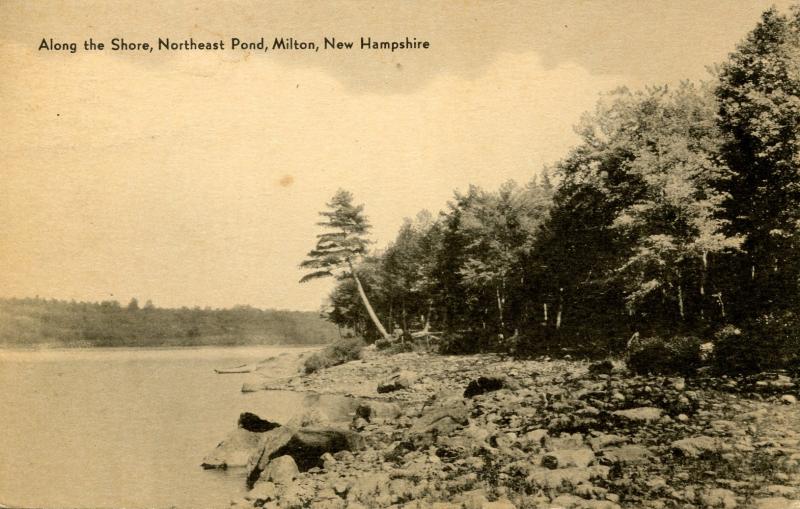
(425,431)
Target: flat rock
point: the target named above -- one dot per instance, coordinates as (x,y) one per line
(719,498)
(775,503)
(606,440)
(641,415)
(628,455)
(694,447)
(566,477)
(567,458)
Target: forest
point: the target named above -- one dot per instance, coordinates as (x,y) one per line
(43,322)
(674,222)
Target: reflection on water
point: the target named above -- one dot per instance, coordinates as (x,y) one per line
(125,427)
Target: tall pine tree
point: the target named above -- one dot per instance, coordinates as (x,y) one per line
(338,249)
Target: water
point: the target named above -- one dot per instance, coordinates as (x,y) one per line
(124,427)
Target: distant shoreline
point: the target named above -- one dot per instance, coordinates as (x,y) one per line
(57,347)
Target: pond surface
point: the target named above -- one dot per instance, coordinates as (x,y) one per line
(125,427)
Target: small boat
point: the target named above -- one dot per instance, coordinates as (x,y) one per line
(244,368)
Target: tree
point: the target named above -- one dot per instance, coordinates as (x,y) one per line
(339,248)
(675,223)
(759,111)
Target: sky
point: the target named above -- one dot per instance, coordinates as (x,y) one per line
(195,178)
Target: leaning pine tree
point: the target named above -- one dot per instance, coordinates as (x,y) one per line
(338,248)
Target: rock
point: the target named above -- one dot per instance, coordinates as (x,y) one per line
(719,498)
(262,492)
(270,445)
(695,447)
(484,384)
(402,380)
(443,420)
(568,502)
(282,470)
(500,503)
(254,423)
(555,479)
(628,455)
(604,367)
(234,451)
(775,503)
(564,441)
(368,488)
(372,409)
(788,399)
(306,446)
(641,415)
(605,440)
(566,458)
(536,436)
(678,383)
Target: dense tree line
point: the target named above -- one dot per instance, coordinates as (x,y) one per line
(677,214)
(26,322)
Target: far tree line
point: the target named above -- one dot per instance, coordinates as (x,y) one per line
(678,213)
(36,321)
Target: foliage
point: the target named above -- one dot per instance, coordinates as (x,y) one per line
(680,354)
(338,352)
(759,111)
(343,241)
(770,341)
(677,213)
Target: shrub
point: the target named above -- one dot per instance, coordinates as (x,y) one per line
(680,354)
(457,343)
(382,344)
(338,352)
(769,342)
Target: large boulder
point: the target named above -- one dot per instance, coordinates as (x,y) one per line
(235,451)
(306,446)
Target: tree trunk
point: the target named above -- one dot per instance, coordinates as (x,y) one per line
(680,301)
(367,305)
(560,307)
(500,309)
(544,305)
(721,303)
(703,276)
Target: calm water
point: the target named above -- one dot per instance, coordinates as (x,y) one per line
(124,428)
